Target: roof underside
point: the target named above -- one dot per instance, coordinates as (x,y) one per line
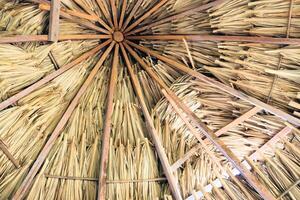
(140,99)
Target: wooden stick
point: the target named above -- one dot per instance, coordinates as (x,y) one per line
(281,134)
(108,181)
(54,20)
(122,15)
(206,131)
(107,125)
(185,157)
(13,99)
(173,183)
(27,182)
(44,38)
(179,15)
(146,15)
(179,66)
(131,14)
(6,152)
(114,13)
(53,60)
(238,121)
(254,39)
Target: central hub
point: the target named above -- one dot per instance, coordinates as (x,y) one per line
(118,36)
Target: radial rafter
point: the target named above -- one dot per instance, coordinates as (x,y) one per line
(27,182)
(108,124)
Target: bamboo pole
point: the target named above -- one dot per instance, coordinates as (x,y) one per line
(26,184)
(219,85)
(146,15)
(207,132)
(254,39)
(50,77)
(150,126)
(107,125)
(178,16)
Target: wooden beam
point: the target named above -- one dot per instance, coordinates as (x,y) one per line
(146,15)
(173,183)
(27,182)
(131,14)
(122,15)
(114,13)
(179,15)
(238,121)
(44,38)
(181,67)
(107,125)
(185,157)
(254,39)
(13,99)
(6,152)
(54,20)
(281,134)
(251,179)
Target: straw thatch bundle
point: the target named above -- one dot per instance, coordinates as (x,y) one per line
(26,127)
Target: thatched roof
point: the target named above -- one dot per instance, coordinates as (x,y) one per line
(149,99)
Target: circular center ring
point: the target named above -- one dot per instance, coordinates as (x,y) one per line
(118,36)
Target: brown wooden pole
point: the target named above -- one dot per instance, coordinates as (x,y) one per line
(131,14)
(146,15)
(181,67)
(107,125)
(254,39)
(27,182)
(54,20)
(13,99)
(173,183)
(206,131)
(179,15)
(122,15)
(44,38)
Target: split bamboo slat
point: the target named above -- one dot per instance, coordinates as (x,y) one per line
(139,99)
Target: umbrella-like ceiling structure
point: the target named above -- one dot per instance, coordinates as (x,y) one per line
(153,99)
